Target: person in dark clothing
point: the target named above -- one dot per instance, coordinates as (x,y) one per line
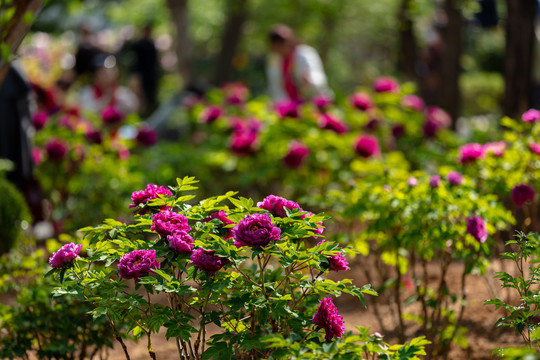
(145,67)
(86,52)
(15,129)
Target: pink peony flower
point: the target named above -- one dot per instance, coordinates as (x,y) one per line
(298,153)
(322,101)
(385,84)
(361,101)
(37,156)
(531,115)
(243,143)
(39,120)
(454,178)
(65,255)
(151,192)
(329,122)
(276,205)
(534,147)
(56,149)
(372,125)
(367,146)
(168,222)
(112,116)
(137,263)
(180,241)
(470,153)
(412,181)
(328,318)
(94,136)
(522,193)
(207,261)
(435,181)
(413,102)
(435,119)
(222,216)
(210,114)
(287,108)
(147,136)
(476,227)
(235,93)
(255,230)
(496,148)
(337,262)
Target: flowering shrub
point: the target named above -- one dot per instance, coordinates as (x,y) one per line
(264,288)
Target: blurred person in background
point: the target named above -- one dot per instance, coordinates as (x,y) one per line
(86,51)
(294,70)
(145,69)
(105,92)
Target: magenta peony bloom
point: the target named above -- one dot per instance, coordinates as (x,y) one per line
(222,216)
(470,152)
(235,93)
(372,125)
(207,261)
(531,115)
(298,153)
(337,262)
(37,156)
(168,222)
(137,263)
(151,192)
(147,136)
(56,149)
(65,255)
(328,318)
(385,84)
(398,130)
(454,178)
(94,136)
(287,108)
(534,147)
(361,101)
(39,120)
(496,148)
(180,241)
(329,122)
(435,119)
(276,204)
(255,231)
(412,181)
(111,116)
(476,227)
(522,193)
(367,146)
(210,114)
(413,102)
(435,181)
(322,101)
(243,143)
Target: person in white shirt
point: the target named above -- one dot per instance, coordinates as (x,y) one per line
(294,70)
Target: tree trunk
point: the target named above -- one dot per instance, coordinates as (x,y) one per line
(182,41)
(237,14)
(408,45)
(13,31)
(449,94)
(519,56)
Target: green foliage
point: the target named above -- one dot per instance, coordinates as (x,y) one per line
(37,324)
(263,291)
(525,254)
(14,215)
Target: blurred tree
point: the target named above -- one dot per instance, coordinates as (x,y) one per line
(237,13)
(16,16)
(408,45)
(182,40)
(519,56)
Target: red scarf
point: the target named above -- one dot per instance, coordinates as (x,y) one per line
(288,80)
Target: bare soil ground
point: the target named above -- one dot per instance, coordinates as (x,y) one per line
(479,319)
